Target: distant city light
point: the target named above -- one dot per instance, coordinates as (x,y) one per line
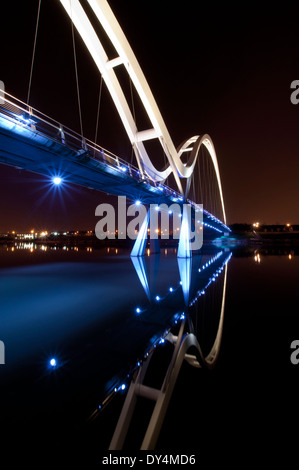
(256,224)
(57,180)
(257,258)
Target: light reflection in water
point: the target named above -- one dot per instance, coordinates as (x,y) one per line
(57,302)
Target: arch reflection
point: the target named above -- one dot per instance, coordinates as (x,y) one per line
(183,336)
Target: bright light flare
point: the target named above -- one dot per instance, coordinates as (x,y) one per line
(57,180)
(53,362)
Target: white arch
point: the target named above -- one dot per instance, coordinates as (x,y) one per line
(127,58)
(193,145)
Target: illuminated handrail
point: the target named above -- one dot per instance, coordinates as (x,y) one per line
(40,122)
(31,117)
(18,111)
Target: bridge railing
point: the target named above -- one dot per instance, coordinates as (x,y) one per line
(27,116)
(21,114)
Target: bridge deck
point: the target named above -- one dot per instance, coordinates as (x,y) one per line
(33,143)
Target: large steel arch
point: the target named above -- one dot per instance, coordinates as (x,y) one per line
(127,58)
(193,145)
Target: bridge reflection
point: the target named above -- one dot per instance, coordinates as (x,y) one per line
(82,323)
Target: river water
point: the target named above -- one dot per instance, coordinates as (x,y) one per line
(78,323)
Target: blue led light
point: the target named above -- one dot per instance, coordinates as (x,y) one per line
(157,298)
(170,289)
(137,203)
(138,310)
(121,387)
(57,180)
(53,362)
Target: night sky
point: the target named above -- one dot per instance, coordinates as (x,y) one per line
(225,71)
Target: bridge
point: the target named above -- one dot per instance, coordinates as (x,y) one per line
(38,143)
(33,141)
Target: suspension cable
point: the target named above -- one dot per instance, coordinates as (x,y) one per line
(77,80)
(98,111)
(134,114)
(33,53)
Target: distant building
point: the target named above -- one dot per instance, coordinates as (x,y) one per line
(25,236)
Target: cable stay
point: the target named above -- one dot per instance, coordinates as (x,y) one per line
(33,53)
(76,74)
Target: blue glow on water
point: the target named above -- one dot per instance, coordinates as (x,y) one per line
(81,311)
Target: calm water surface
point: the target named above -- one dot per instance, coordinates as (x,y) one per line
(98,314)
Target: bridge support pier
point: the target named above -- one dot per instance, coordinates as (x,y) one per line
(140,242)
(184,249)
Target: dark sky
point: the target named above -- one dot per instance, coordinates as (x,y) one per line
(223,70)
